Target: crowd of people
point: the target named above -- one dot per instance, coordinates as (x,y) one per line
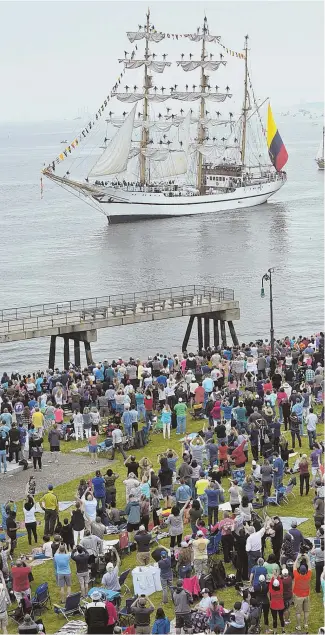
(251,408)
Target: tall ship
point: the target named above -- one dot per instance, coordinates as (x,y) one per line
(320,154)
(158,160)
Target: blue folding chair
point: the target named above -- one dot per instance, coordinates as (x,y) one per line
(41,598)
(214,544)
(72,606)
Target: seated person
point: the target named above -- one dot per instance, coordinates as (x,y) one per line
(237,620)
(110,579)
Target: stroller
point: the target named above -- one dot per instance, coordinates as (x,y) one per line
(198,411)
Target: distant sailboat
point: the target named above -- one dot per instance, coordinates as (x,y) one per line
(320,154)
(64,141)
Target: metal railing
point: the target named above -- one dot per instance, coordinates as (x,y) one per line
(70,312)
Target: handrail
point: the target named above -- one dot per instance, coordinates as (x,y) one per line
(56,314)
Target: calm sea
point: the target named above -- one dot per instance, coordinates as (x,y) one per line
(58,248)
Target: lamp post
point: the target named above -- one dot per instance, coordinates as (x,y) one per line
(268,278)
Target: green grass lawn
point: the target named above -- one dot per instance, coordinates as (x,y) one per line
(298,506)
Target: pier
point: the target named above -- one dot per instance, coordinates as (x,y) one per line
(78,320)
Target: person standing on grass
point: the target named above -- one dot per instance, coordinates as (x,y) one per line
(81,557)
(117,439)
(302,574)
(77,523)
(20,580)
(311,421)
(166,575)
(143,539)
(318,552)
(30,520)
(166,419)
(304,475)
(54,441)
(50,504)
(63,570)
(99,489)
(181,410)
(277,602)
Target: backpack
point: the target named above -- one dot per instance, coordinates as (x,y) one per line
(206,582)
(218,573)
(24,463)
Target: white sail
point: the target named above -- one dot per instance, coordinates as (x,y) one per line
(176,162)
(152,36)
(191,65)
(193,96)
(156,66)
(197,37)
(115,157)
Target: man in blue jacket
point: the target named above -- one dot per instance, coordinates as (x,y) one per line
(99,488)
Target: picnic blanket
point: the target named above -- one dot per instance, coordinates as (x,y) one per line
(287,520)
(63,505)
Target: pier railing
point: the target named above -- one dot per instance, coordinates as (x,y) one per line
(49,315)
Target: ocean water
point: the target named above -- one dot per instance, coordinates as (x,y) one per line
(59,248)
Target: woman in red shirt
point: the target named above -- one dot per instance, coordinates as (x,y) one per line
(276,602)
(222,453)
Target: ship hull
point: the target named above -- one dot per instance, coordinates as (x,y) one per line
(122,206)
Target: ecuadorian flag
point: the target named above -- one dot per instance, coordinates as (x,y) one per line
(277,149)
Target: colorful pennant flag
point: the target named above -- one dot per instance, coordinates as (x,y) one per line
(277,150)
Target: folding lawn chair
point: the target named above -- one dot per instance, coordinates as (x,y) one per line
(24,606)
(214,544)
(72,606)
(122,579)
(124,615)
(238,475)
(276,499)
(41,598)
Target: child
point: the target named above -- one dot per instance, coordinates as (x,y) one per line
(81,488)
(47,547)
(201,527)
(161,623)
(67,534)
(31,487)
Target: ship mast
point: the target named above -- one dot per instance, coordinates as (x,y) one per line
(323,143)
(202,111)
(145,132)
(245,105)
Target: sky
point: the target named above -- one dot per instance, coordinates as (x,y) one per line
(61,57)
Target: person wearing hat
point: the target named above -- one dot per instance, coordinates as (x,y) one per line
(166,575)
(110,579)
(200,546)
(96,615)
(142,614)
(287,594)
(50,504)
(181,410)
(28,626)
(297,536)
(276,602)
(262,597)
(302,574)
